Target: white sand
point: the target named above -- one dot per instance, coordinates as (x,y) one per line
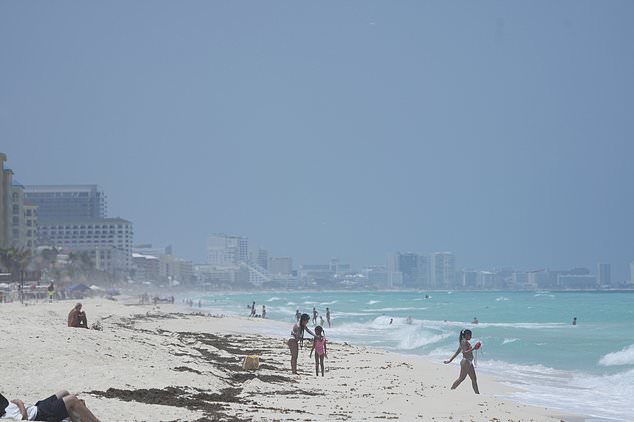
(40,355)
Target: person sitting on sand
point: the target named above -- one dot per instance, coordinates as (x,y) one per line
(55,408)
(297,336)
(319,346)
(77,317)
(466,365)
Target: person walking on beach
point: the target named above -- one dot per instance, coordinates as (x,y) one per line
(297,336)
(55,408)
(51,292)
(466,364)
(319,346)
(328,317)
(253,309)
(77,317)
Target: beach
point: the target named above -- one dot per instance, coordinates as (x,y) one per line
(171,363)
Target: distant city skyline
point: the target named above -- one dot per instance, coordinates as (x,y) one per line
(501,132)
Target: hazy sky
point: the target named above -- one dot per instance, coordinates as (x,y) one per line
(501,131)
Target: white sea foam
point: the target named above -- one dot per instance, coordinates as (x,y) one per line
(622,357)
(607,396)
(372,302)
(417,340)
(501,299)
(392,309)
(510,340)
(273,299)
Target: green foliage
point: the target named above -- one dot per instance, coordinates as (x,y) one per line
(15,261)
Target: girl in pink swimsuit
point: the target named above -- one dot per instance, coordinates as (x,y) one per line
(319,346)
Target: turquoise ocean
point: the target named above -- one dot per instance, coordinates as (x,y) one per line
(528,339)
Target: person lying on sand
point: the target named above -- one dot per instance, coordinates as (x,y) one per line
(55,408)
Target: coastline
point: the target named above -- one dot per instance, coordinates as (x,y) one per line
(168,363)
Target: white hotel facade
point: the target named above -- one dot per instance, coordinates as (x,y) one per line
(108,240)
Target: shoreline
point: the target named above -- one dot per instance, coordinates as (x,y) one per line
(163,363)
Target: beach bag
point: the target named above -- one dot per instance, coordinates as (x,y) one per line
(251,363)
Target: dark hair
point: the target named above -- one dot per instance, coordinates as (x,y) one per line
(320,329)
(463,334)
(3,404)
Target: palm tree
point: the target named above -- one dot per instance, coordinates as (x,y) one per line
(16,261)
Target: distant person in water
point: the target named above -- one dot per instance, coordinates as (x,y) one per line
(253,309)
(466,364)
(391,321)
(328,317)
(297,336)
(297,314)
(475,320)
(409,320)
(315,316)
(77,317)
(574,321)
(319,347)
(263,311)
(321,321)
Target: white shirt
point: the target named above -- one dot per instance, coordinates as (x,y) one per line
(12,411)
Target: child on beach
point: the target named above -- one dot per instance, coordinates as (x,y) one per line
(466,365)
(319,346)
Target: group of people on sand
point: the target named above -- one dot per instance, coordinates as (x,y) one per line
(254,313)
(296,341)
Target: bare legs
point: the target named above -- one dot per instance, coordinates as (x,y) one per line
(319,360)
(294,347)
(77,409)
(466,368)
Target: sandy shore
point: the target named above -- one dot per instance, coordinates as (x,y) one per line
(165,364)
